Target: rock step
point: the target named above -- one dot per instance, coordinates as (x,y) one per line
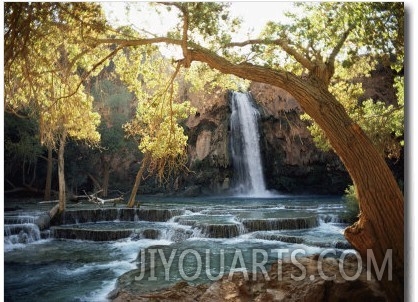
(111,214)
(277,237)
(89,234)
(273,224)
(221,230)
(22,233)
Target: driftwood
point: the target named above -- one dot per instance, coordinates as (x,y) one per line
(49,201)
(54,211)
(89,197)
(100,201)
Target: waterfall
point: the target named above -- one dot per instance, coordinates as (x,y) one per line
(245,148)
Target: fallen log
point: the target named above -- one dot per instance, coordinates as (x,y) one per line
(54,211)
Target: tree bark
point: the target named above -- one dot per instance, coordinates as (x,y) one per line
(96,183)
(381,224)
(61,174)
(106,176)
(138,178)
(47,195)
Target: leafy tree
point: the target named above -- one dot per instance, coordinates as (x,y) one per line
(44,53)
(22,150)
(303,58)
(115,103)
(155,126)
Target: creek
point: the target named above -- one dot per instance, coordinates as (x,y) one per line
(93,250)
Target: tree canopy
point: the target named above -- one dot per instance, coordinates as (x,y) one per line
(52,48)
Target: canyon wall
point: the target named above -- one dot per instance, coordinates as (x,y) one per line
(291,162)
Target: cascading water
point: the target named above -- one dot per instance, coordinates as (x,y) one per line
(113,238)
(248,169)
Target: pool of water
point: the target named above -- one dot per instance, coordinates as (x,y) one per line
(203,239)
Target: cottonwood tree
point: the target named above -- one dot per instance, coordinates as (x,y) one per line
(303,58)
(44,55)
(156,127)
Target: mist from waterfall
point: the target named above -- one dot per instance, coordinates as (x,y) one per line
(245,147)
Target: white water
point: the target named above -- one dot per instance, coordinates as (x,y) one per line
(75,270)
(246,153)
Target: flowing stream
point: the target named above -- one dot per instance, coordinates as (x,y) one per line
(93,249)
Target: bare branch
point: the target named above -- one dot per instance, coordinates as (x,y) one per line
(340,44)
(137,42)
(185,36)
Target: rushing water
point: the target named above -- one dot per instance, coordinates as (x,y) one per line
(191,230)
(245,147)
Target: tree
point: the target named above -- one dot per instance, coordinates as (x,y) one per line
(44,53)
(22,150)
(155,126)
(302,59)
(115,103)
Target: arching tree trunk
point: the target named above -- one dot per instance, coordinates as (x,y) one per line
(380,227)
(61,175)
(47,195)
(381,224)
(138,178)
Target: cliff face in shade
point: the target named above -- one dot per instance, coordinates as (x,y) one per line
(291,162)
(208,148)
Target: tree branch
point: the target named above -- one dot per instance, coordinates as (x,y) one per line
(113,53)
(248,71)
(138,42)
(283,44)
(337,48)
(185,11)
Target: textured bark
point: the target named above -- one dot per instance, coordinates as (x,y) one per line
(381,202)
(61,175)
(106,176)
(138,178)
(47,195)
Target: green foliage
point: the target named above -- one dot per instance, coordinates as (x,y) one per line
(318,135)
(375,34)
(159,111)
(203,78)
(352,205)
(42,67)
(114,102)
(384,124)
(210,24)
(21,142)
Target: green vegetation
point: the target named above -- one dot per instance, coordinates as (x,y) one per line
(58,100)
(352,205)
